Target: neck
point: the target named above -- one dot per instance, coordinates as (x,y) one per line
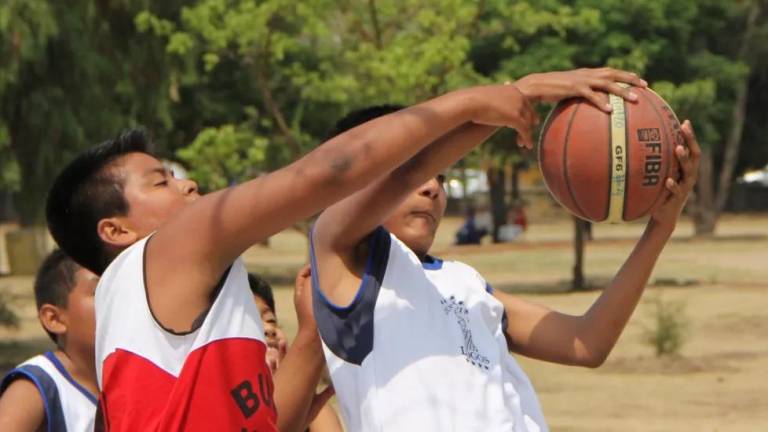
(421,254)
(81,366)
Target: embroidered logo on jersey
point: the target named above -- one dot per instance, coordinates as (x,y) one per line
(469,350)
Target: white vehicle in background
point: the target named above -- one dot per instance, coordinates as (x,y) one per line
(755,177)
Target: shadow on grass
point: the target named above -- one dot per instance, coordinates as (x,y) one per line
(601,241)
(564,286)
(16,351)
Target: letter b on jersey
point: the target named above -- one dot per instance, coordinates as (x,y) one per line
(245,398)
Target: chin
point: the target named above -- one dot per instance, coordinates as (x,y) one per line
(421,246)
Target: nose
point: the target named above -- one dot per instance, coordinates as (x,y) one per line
(430,189)
(189,187)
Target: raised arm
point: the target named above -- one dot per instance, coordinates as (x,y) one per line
(539,332)
(207,236)
(341,228)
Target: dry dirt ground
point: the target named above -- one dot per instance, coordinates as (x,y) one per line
(718,382)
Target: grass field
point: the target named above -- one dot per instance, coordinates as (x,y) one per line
(717,383)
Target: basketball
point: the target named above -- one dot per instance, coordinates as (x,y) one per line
(610,167)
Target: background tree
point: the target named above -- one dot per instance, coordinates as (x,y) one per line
(74,73)
(236,88)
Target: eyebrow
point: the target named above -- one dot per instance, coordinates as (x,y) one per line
(157,170)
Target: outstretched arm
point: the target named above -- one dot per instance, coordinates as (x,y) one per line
(342,227)
(586,340)
(207,236)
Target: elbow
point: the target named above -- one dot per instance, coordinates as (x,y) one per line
(594,361)
(590,356)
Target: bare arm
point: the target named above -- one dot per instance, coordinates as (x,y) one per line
(302,366)
(21,408)
(537,331)
(342,227)
(206,237)
(326,421)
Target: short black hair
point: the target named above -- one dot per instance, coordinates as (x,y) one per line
(262,289)
(85,192)
(363,115)
(54,281)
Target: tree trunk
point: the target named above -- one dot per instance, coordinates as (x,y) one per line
(375,21)
(262,82)
(30,199)
(496,190)
(514,193)
(710,202)
(578,282)
(465,201)
(702,205)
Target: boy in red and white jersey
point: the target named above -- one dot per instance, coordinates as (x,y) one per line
(179,342)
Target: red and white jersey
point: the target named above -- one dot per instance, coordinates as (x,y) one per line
(212,378)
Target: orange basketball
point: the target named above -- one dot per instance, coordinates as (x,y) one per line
(610,167)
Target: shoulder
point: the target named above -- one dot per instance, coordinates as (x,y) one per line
(18,390)
(463,268)
(468,274)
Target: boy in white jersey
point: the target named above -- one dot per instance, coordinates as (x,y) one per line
(56,391)
(179,341)
(415,343)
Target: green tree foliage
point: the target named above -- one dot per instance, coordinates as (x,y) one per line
(237,87)
(222,156)
(73,73)
(283,72)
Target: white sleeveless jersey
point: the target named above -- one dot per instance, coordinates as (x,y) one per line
(151,379)
(69,407)
(422,348)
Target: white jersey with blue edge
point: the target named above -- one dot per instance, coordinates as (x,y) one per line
(69,407)
(422,348)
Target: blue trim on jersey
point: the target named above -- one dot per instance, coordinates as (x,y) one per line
(65,373)
(363,283)
(348,330)
(431,263)
(54,415)
(488,288)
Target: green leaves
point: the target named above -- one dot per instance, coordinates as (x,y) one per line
(264,81)
(697,101)
(220,157)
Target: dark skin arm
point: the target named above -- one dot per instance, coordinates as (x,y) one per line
(341,228)
(22,393)
(205,238)
(586,340)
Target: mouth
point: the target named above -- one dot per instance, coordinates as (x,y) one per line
(425,215)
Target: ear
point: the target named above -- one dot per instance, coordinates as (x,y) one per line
(114,232)
(53,318)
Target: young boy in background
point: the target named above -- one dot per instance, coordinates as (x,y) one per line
(56,391)
(179,342)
